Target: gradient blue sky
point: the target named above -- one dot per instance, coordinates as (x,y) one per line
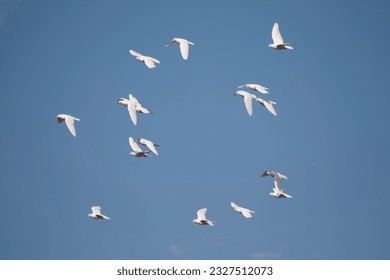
(331,136)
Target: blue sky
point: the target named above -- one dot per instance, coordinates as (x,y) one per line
(330,137)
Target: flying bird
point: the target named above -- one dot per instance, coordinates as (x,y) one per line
(244,211)
(148,144)
(149,61)
(201,218)
(184,46)
(278,43)
(247,100)
(134,107)
(96,214)
(267,104)
(137,152)
(277,191)
(256,87)
(69,121)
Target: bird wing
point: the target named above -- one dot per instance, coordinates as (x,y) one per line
(134,53)
(150,145)
(132,112)
(155,60)
(261,89)
(131,107)
(277,182)
(201,214)
(171,42)
(134,145)
(184,47)
(246,213)
(276,36)
(286,195)
(248,104)
(269,107)
(69,121)
(235,206)
(96,210)
(141,109)
(149,63)
(282,176)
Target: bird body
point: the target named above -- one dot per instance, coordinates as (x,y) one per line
(277,190)
(133,107)
(69,121)
(244,211)
(201,218)
(184,46)
(278,43)
(96,213)
(149,61)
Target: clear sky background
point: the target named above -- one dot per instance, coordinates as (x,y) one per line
(330,138)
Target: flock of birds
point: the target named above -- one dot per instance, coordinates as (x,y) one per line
(134,107)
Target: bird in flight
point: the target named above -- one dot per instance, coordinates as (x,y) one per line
(278,43)
(96,213)
(277,190)
(184,46)
(244,211)
(69,121)
(201,218)
(150,62)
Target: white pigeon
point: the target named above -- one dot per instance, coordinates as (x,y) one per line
(184,46)
(69,121)
(133,106)
(267,104)
(256,87)
(277,191)
(149,61)
(96,214)
(244,211)
(247,100)
(149,144)
(278,43)
(137,152)
(201,218)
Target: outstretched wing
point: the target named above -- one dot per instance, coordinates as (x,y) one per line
(278,182)
(248,104)
(235,206)
(184,47)
(96,210)
(201,214)
(171,42)
(134,53)
(246,213)
(269,107)
(132,112)
(134,145)
(69,121)
(149,63)
(150,145)
(261,89)
(276,36)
